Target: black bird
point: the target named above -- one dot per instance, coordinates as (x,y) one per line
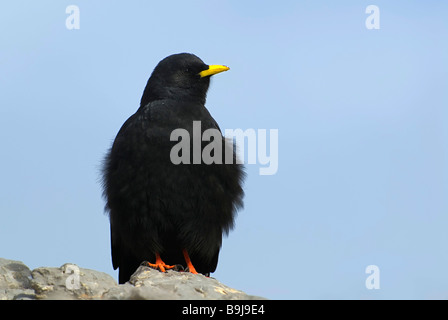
(164,213)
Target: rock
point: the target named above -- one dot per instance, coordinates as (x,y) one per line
(69,281)
(15,280)
(150,284)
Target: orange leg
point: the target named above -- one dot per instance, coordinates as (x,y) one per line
(188,261)
(160,265)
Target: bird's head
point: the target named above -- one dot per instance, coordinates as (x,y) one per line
(181,76)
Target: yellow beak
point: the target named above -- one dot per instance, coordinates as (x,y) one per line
(213,69)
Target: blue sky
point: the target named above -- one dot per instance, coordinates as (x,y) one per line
(361,115)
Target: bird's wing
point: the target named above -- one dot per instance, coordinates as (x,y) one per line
(118,149)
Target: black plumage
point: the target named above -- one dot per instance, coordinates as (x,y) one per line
(159,210)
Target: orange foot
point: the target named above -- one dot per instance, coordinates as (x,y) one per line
(190,267)
(159,265)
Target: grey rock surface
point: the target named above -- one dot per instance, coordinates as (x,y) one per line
(69,281)
(15,280)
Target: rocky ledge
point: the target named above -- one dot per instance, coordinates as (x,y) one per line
(18,282)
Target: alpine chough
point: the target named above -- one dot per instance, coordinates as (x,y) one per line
(161,213)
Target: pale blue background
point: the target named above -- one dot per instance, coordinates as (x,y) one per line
(362,119)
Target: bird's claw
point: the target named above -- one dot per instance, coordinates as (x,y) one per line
(179,268)
(161,266)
